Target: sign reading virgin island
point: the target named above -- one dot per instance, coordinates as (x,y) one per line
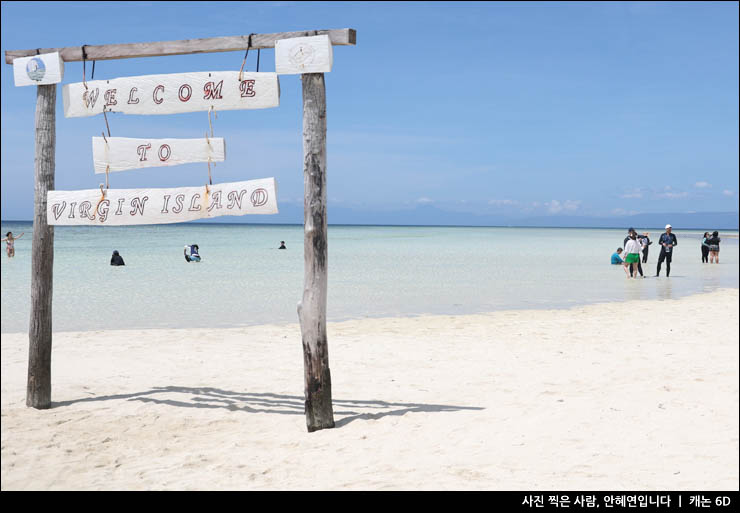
(122,153)
(173,93)
(161,206)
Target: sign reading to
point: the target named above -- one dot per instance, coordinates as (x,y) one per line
(303,55)
(161,206)
(121,153)
(173,93)
(47,68)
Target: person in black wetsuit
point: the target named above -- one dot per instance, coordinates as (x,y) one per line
(282,245)
(667,242)
(624,243)
(705,248)
(645,241)
(116,259)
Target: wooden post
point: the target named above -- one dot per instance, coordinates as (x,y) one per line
(312,309)
(38,390)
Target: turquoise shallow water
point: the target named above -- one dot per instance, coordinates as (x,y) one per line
(374,271)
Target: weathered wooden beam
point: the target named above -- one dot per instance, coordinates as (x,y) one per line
(38,389)
(312,308)
(345,36)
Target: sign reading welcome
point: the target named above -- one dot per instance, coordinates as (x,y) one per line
(121,153)
(161,206)
(173,93)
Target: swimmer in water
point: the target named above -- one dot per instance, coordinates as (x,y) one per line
(116,259)
(282,245)
(10,243)
(191,253)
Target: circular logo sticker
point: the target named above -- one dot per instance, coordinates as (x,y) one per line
(301,54)
(35,69)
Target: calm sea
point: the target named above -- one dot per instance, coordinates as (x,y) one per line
(374,271)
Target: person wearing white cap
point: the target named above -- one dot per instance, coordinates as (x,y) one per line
(667,242)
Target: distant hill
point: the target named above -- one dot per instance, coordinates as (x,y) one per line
(429,215)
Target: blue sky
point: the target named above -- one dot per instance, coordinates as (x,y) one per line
(515,109)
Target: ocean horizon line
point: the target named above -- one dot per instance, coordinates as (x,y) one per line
(370,225)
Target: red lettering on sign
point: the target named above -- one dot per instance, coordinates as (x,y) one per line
(141,150)
(247,88)
(90,97)
(154,94)
(110,97)
(184,98)
(164,152)
(131,99)
(212,91)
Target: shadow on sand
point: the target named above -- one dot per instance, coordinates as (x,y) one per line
(345,411)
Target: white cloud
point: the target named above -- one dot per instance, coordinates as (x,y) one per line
(556,206)
(728,192)
(623,212)
(635,193)
(572,204)
(673,195)
(702,185)
(669,193)
(424,200)
(503,202)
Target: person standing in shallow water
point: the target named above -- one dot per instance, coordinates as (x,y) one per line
(645,241)
(624,243)
(713,243)
(667,242)
(705,248)
(10,243)
(632,250)
(282,245)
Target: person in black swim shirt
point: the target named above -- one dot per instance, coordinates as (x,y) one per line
(667,242)
(645,242)
(705,248)
(282,245)
(116,259)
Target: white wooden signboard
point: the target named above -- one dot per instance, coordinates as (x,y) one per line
(161,206)
(173,93)
(121,153)
(303,55)
(47,68)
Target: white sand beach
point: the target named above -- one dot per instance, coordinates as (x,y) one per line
(639,395)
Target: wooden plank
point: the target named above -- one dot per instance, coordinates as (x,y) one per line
(303,55)
(122,153)
(344,36)
(161,206)
(38,384)
(41,69)
(312,308)
(173,93)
